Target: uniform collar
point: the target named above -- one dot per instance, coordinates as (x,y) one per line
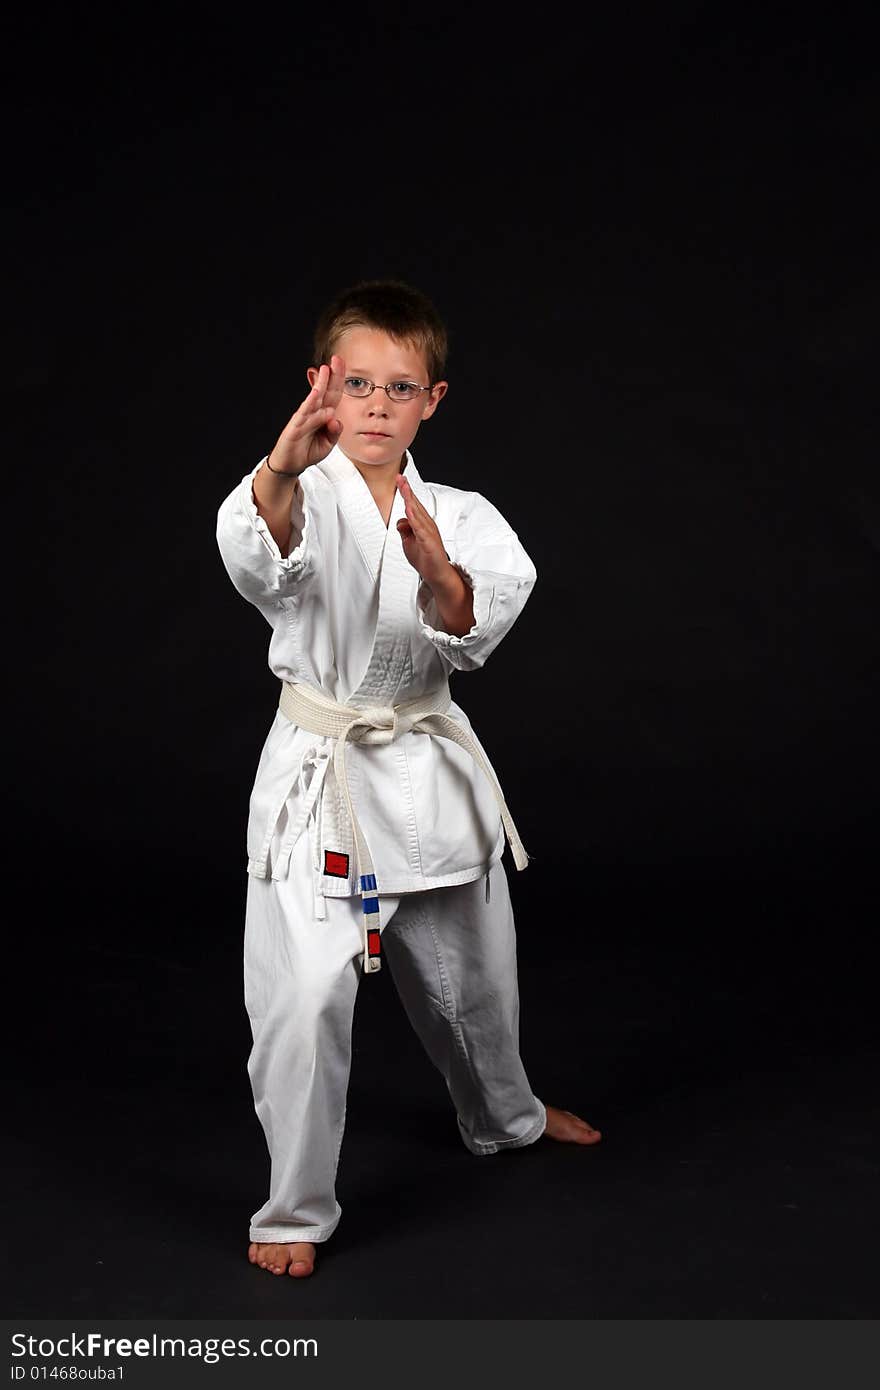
(339,468)
(356,501)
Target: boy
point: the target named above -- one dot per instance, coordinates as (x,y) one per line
(376,585)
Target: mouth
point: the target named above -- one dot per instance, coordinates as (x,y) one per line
(374,434)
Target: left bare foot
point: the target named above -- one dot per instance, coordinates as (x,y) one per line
(571,1129)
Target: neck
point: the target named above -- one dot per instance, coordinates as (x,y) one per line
(379,477)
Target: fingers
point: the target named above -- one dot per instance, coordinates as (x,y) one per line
(409,497)
(417,514)
(335,380)
(410,503)
(327,390)
(320,387)
(408,492)
(315,412)
(319,406)
(317,397)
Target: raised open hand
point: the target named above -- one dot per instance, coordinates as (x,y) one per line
(422,544)
(313,429)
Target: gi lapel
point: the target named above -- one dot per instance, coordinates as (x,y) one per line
(389,670)
(389,666)
(356,503)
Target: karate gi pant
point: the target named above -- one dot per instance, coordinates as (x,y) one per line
(452,956)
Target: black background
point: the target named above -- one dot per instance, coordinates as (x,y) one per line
(653,238)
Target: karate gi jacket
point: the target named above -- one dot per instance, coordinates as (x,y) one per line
(352,618)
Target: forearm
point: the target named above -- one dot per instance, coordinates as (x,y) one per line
(273,495)
(455,602)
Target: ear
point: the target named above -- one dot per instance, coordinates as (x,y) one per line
(438,391)
(312,375)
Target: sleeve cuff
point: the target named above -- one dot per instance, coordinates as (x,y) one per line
(429,618)
(299,515)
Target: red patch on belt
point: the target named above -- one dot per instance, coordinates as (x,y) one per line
(335,864)
(373,948)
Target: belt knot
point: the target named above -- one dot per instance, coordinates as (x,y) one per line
(380,724)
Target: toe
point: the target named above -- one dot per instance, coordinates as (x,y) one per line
(586,1134)
(296,1259)
(302,1260)
(568,1127)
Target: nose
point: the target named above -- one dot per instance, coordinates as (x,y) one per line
(378,405)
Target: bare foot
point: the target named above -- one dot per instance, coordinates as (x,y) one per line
(562,1124)
(297,1257)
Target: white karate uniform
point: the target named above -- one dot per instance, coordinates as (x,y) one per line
(350,617)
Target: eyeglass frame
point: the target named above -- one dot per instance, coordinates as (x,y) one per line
(386,387)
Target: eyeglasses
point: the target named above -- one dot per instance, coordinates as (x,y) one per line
(394,390)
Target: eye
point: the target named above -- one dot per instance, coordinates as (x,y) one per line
(404,388)
(355,381)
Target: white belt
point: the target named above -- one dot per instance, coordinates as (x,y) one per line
(313,710)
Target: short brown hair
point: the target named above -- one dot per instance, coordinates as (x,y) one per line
(395,308)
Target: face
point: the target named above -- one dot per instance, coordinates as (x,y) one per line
(377,430)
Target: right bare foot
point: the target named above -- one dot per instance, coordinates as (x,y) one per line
(297,1257)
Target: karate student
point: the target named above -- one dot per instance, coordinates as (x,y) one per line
(376,823)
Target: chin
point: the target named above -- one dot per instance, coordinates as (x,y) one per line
(395,454)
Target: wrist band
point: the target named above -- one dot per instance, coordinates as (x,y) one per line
(279,472)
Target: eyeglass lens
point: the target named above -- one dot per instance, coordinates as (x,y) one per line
(395,390)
